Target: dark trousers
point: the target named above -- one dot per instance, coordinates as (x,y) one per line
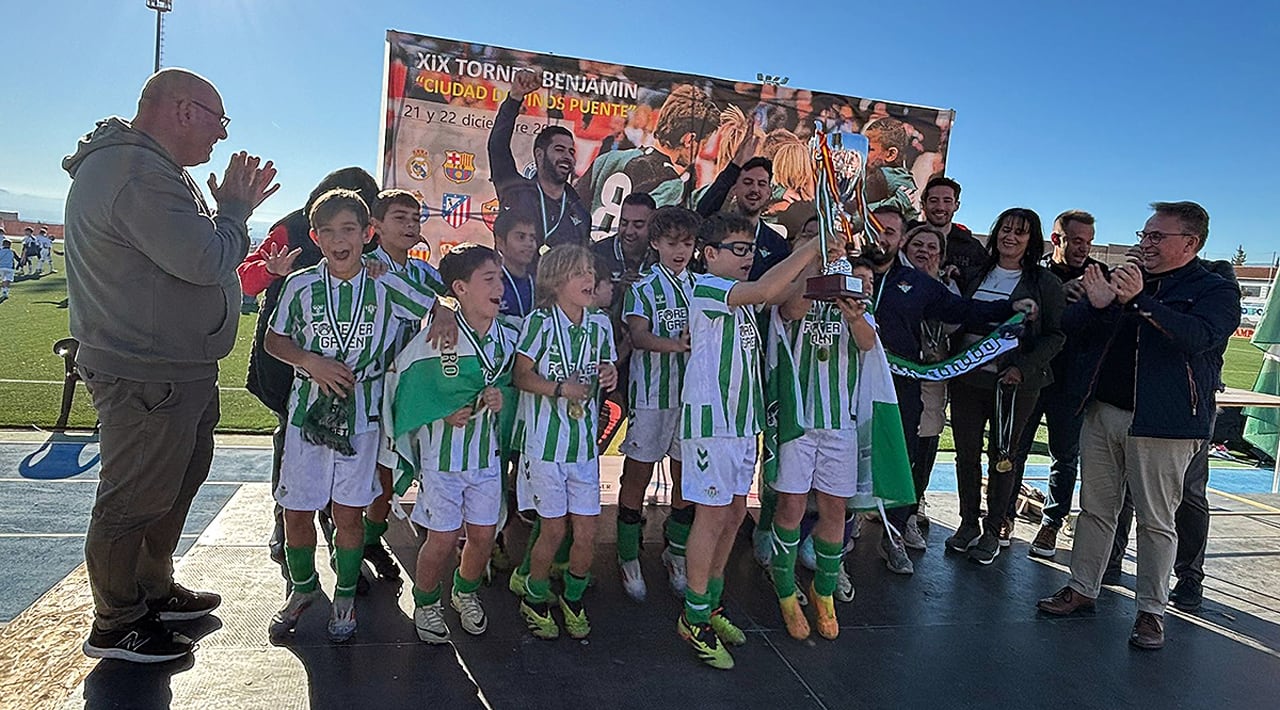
(1191,520)
(972,408)
(1058,408)
(156,442)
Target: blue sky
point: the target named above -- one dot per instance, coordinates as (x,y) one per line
(1102,106)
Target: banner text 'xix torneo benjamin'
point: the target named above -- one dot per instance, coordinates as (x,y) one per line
(636,129)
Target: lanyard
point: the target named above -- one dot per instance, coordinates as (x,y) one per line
(542,200)
(490,366)
(382,255)
(677,286)
(565,341)
(330,312)
(516,290)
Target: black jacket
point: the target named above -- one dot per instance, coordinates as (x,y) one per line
(1183,320)
(771,247)
(269,379)
(905,297)
(516,191)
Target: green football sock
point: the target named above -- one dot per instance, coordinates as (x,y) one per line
(348,562)
(462,585)
(829,555)
(785,543)
(768,504)
(697,607)
(302,568)
(373,531)
(537,590)
(677,530)
(715,590)
(629,531)
(574,586)
(562,554)
(528,550)
(421,598)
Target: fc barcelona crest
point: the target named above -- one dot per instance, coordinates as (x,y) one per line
(489,212)
(456,209)
(459,167)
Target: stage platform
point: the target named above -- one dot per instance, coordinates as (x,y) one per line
(954,635)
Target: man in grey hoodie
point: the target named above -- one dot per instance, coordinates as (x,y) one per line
(154,301)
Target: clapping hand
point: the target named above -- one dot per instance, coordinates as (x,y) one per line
(245,185)
(1096,287)
(1127,282)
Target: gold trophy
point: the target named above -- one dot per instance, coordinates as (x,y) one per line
(839,164)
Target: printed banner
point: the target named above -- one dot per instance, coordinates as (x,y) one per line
(635,129)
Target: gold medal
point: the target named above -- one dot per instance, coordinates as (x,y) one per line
(576,410)
(823,354)
(1004,465)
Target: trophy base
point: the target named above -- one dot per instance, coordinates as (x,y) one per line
(830,287)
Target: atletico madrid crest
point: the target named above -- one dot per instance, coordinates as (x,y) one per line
(459,167)
(456,209)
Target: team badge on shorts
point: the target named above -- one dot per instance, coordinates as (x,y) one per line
(459,167)
(418,165)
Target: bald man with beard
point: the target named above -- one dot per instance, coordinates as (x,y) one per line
(154,301)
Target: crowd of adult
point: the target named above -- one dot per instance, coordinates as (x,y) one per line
(1122,364)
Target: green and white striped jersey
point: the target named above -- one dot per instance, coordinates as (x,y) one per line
(558,349)
(422,274)
(352,321)
(824,359)
(723,393)
(475,446)
(661,298)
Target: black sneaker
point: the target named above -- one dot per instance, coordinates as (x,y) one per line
(1187,595)
(376,554)
(182,604)
(966,536)
(144,641)
(986,550)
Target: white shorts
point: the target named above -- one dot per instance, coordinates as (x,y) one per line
(556,489)
(652,434)
(447,499)
(824,460)
(6,275)
(717,468)
(312,475)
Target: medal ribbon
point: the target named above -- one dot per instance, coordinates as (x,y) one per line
(565,341)
(1004,420)
(331,316)
(546,234)
(490,366)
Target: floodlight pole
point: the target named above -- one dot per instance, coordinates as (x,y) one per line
(161,7)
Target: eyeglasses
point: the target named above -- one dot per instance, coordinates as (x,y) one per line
(222,117)
(1157,237)
(736,248)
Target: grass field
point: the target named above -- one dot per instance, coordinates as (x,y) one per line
(35,316)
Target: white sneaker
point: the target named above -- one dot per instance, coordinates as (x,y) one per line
(286,619)
(806,555)
(844,585)
(912,537)
(342,619)
(429,621)
(632,579)
(470,613)
(675,572)
(762,547)
(895,556)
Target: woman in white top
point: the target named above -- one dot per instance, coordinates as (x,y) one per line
(1004,391)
